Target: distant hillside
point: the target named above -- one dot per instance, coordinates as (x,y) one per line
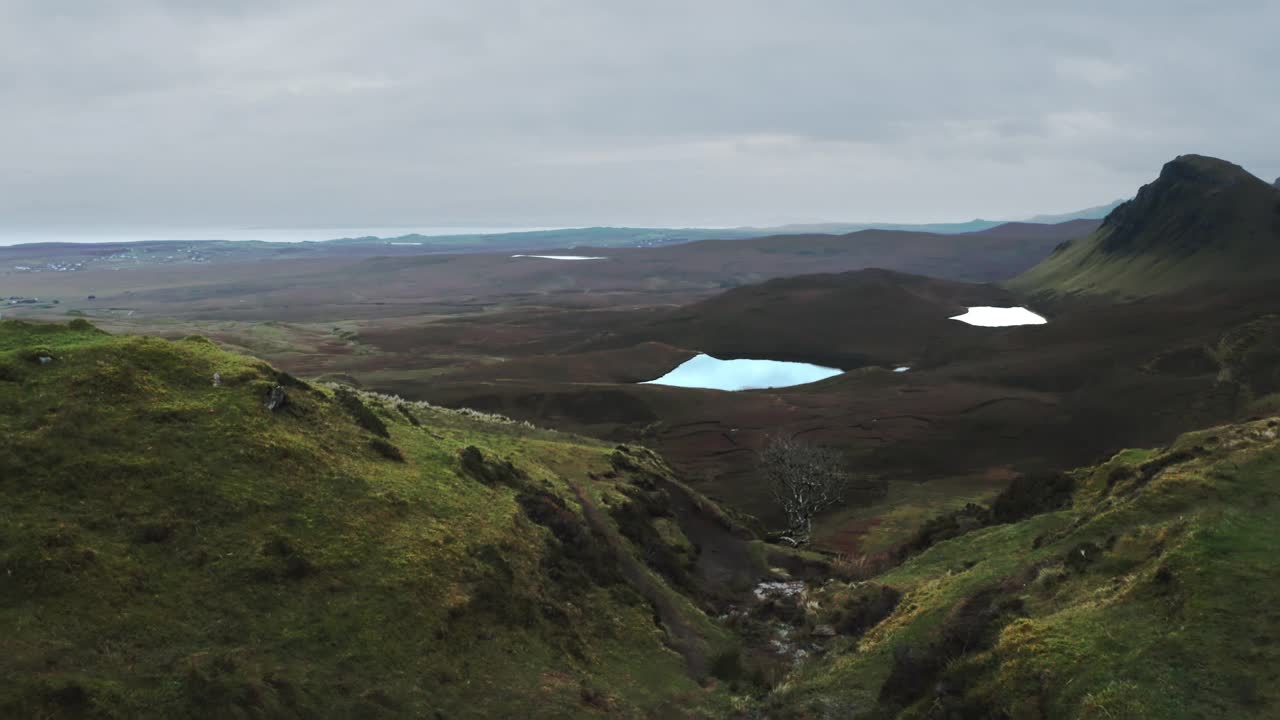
(1065,230)
(321,282)
(1203,222)
(1094,213)
(611,237)
(988,255)
(976,225)
(846,320)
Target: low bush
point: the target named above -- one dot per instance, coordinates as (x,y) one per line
(360,412)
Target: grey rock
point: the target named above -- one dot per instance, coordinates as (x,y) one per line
(276,398)
(217,379)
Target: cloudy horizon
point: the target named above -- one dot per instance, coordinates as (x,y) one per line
(555,113)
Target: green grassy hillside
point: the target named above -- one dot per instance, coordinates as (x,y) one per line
(172,548)
(1152,594)
(1203,222)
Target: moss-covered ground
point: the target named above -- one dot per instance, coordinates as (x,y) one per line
(1153,595)
(169,547)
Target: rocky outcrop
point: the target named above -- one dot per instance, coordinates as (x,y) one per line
(1174,205)
(276,398)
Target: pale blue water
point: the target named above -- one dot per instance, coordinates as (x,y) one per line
(704,371)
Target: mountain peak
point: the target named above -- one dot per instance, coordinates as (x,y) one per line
(1203,169)
(1203,221)
(1172,200)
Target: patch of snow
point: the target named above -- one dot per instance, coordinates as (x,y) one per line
(563,257)
(704,371)
(985,316)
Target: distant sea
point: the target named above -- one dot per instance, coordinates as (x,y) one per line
(270,234)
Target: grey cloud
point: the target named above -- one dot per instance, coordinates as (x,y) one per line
(573,112)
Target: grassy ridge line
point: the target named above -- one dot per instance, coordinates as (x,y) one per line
(172,548)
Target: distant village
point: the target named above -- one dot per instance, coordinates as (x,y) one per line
(143,256)
(51,267)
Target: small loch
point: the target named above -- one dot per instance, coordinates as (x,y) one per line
(704,371)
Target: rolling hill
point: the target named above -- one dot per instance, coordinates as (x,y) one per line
(172,547)
(846,320)
(1203,222)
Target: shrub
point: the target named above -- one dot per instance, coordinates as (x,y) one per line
(1031,495)
(490,472)
(408,414)
(947,526)
(868,606)
(9,372)
(580,557)
(635,522)
(386,450)
(360,412)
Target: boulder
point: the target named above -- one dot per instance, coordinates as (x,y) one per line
(276,398)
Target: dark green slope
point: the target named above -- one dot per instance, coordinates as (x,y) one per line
(171,548)
(1151,593)
(1204,222)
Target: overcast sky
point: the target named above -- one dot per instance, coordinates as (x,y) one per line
(241,113)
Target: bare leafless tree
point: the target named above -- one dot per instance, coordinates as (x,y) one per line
(805,480)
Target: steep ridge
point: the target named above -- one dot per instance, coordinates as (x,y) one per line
(171,547)
(1203,223)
